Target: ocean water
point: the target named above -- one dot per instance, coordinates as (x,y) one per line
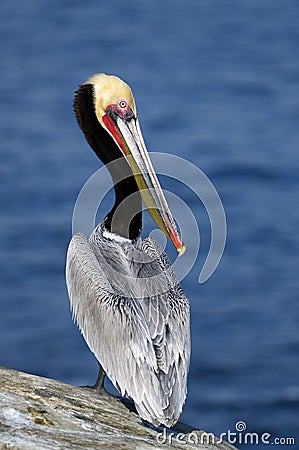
(217,83)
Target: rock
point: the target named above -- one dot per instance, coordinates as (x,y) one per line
(43,414)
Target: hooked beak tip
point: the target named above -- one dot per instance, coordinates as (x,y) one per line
(181,249)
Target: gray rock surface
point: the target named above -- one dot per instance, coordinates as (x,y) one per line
(43,414)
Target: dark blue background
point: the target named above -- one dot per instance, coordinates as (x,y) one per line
(216,82)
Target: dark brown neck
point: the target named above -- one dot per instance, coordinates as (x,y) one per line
(125,218)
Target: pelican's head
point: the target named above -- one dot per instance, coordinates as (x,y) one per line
(115,110)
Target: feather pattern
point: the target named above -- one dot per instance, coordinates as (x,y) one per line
(134,316)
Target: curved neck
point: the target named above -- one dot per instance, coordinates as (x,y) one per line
(125,218)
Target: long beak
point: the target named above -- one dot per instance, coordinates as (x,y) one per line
(137,157)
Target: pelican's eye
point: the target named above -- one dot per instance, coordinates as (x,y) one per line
(120,109)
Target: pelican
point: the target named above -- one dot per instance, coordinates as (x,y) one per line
(124,294)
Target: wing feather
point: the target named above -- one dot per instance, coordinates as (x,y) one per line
(171,336)
(143,343)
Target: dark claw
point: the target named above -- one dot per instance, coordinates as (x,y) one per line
(99,384)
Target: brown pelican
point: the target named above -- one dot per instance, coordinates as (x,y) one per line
(123,291)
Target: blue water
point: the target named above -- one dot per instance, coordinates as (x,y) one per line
(216,82)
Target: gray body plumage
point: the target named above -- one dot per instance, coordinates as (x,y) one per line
(134,316)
